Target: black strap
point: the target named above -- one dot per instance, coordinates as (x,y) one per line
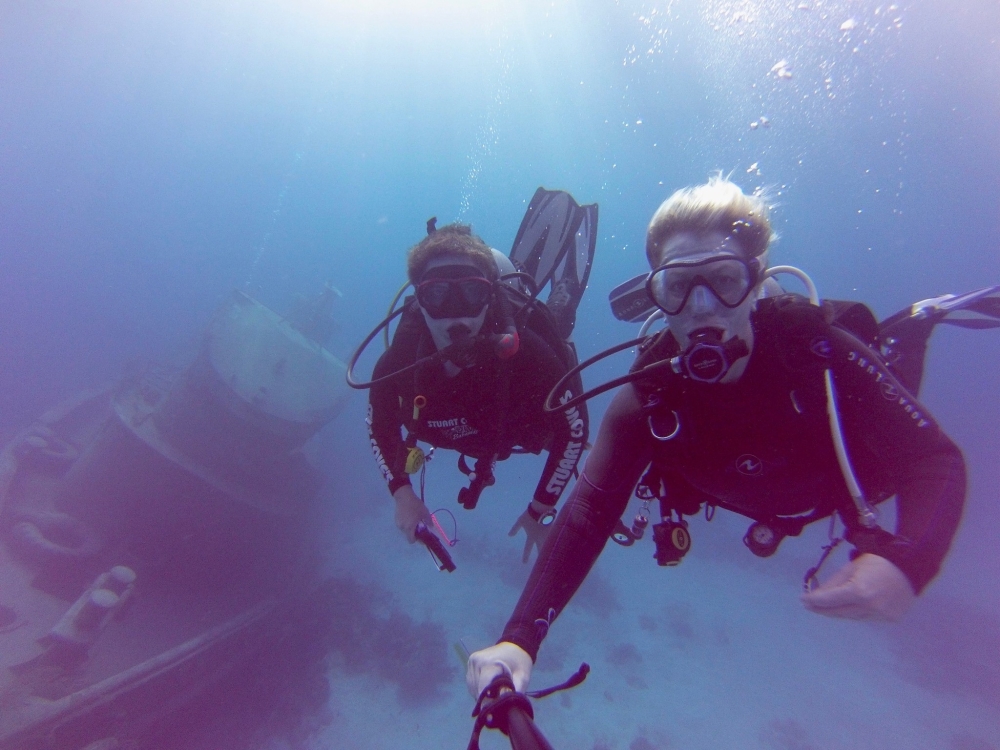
(501,707)
(654,485)
(468,497)
(575,679)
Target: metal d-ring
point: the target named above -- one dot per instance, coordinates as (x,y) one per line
(665,438)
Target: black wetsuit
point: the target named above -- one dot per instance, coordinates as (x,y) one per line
(486,410)
(761,446)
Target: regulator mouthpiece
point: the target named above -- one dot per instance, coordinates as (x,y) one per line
(459,332)
(707,359)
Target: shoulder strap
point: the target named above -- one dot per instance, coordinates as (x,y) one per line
(799,331)
(792,311)
(856,318)
(802,338)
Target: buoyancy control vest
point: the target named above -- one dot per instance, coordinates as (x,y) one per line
(788,319)
(791,331)
(529,315)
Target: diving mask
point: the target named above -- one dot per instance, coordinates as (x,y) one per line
(729,278)
(454,292)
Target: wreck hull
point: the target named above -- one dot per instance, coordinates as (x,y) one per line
(152,576)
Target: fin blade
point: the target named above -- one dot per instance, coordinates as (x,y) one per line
(546,234)
(585,243)
(988,306)
(630,302)
(968,301)
(978,302)
(579,256)
(973,323)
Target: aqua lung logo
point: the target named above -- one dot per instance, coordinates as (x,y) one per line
(749,465)
(638,304)
(571,455)
(889,390)
(821,348)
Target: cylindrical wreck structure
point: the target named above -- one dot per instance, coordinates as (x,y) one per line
(161,517)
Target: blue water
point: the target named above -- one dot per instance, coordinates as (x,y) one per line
(154,156)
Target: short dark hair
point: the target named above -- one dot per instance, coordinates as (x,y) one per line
(453,239)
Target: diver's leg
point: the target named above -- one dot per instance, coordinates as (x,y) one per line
(562,302)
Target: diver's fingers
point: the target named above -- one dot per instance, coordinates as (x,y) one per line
(479,675)
(867,588)
(839,578)
(504,657)
(840,601)
(840,596)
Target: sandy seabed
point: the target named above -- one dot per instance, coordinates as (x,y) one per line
(715,653)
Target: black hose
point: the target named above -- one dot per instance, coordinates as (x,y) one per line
(364,345)
(549,407)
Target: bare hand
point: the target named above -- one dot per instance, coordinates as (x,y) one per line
(410,510)
(535,531)
(504,658)
(867,588)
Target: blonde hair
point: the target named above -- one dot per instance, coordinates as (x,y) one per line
(718,205)
(453,239)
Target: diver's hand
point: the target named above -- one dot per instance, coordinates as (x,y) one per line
(867,588)
(410,510)
(502,658)
(536,531)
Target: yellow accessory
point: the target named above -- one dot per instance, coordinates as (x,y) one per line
(681,539)
(414,460)
(419,402)
(415,456)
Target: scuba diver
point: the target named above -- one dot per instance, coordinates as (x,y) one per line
(765,404)
(474,356)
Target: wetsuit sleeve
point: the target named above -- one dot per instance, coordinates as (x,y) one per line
(571,429)
(384,425)
(597,501)
(900,449)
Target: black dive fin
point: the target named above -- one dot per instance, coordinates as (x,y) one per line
(974,323)
(556,243)
(986,306)
(549,232)
(978,302)
(904,336)
(579,257)
(630,301)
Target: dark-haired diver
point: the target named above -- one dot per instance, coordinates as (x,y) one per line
(763,405)
(475,355)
